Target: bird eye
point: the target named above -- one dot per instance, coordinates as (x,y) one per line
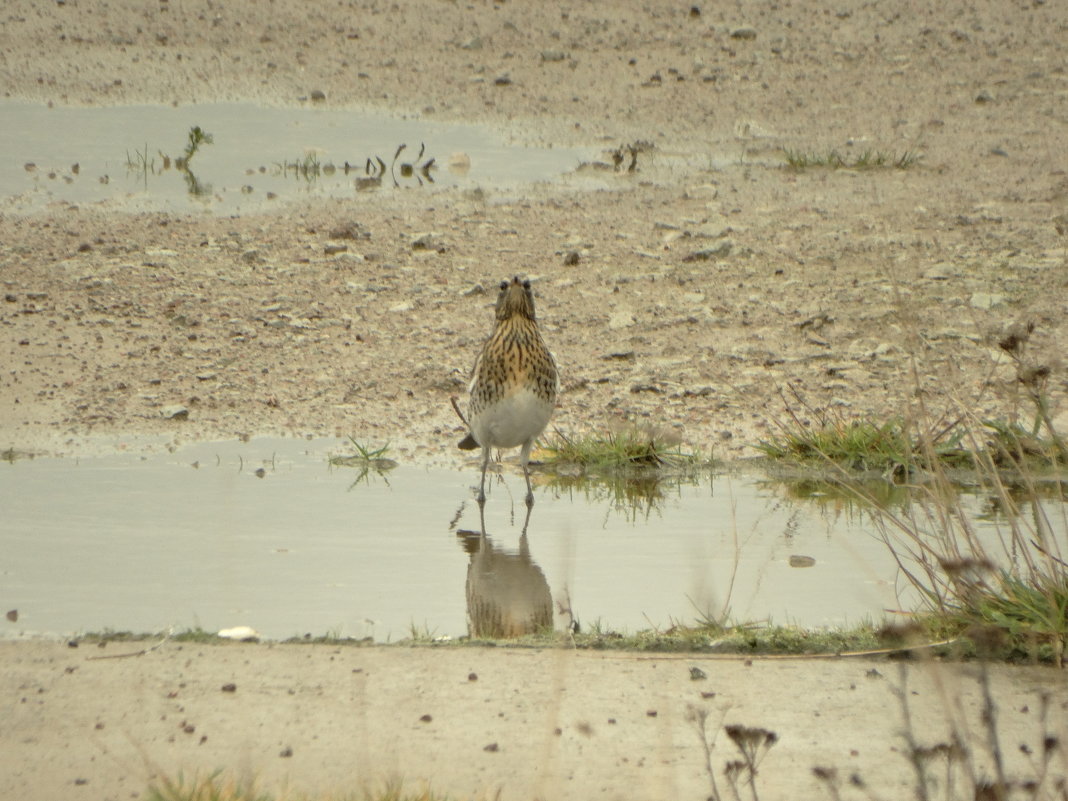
(504,285)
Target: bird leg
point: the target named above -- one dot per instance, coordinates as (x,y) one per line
(524,459)
(482,483)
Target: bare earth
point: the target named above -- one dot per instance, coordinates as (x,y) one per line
(708,282)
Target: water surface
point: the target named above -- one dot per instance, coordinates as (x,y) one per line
(120,156)
(268,534)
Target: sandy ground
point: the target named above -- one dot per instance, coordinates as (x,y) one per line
(528,724)
(708,283)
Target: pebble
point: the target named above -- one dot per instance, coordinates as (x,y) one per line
(174,412)
(986,300)
(428,241)
(744,33)
(707,254)
(938,272)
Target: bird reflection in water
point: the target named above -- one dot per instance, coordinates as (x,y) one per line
(507,593)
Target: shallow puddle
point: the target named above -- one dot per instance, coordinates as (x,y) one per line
(267,534)
(258,156)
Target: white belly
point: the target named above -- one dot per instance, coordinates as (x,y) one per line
(510,422)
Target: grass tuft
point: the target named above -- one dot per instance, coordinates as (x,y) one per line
(220,787)
(366,457)
(633,467)
(891,447)
(627,449)
(865,160)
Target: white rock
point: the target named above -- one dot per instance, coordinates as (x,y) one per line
(243,633)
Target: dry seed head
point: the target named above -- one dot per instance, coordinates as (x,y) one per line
(825,774)
(1016,337)
(967,568)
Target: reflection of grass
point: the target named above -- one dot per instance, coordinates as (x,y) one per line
(10,455)
(634,492)
(368,460)
(631,467)
(828,490)
(365,456)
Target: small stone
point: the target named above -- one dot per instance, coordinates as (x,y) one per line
(721,251)
(428,241)
(744,33)
(332,249)
(502,80)
(696,674)
(13,615)
(492,748)
(286,752)
(571,259)
(472,677)
(241,633)
(317,95)
(474,43)
(174,412)
(796,560)
(553,55)
(938,272)
(986,300)
(229,688)
(425,719)
(350,230)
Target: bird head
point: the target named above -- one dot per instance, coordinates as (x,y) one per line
(516,299)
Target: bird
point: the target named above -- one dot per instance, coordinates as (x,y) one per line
(514,383)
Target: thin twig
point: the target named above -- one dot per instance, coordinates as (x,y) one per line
(142,652)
